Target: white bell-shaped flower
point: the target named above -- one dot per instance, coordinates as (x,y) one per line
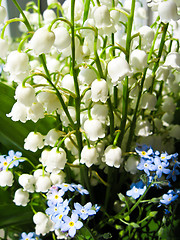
(173,60)
(167,118)
(18,112)
(27,181)
(78,11)
(4,46)
(113,156)
(57,178)
(175,131)
(148,101)
(167,11)
(34,141)
(64,118)
(44,156)
(89,156)
(52,136)
(25,94)
(100,112)
(17,63)
(86,75)
(49,101)
(56,159)
(42,41)
(131,165)
(102,17)
(6,178)
(69,144)
(53,64)
(68,83)
(162,73)
(168,105)
(147,36)
(43,183)
(49,15)
(21,197)
(94,129)
(43,223)
(3,14)
(99,90)
(143,128)
(62,38)
(138,59)
(35,112)
(118,68)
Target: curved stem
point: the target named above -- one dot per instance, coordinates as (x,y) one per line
(8,22)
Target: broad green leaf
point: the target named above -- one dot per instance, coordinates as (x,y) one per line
(86,10)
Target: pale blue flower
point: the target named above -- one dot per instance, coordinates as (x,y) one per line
(84,211)
(71,224)
(137,189)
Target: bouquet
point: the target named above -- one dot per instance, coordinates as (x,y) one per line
(89,121)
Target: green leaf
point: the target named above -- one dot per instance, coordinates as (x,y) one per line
(86,10)
(153,213)
(134,225)
(14,215)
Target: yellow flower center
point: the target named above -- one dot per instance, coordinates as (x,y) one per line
(60,216)
(145,165)
(160,167)
(143,153)
(56,196)
(169,199)
(5,163)
(71,224)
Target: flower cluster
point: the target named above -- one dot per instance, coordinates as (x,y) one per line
(83,84)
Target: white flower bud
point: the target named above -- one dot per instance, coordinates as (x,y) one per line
(18,112)
(167,11)
(113,156)
(99,90)
(17,62)
(34,141)
(131,165)
(25,94)
(4,47)
(43,183)
(138,59)
(27,181)
(56,159)
(118,68)
(3,14)
(49,15)
(57,178)
(94,129)
(52,136)
(42,41)
(62,38)
(89,156)
(148,101)
(49,2)
(21,197)
(35,112)
(6,178)
(173,60)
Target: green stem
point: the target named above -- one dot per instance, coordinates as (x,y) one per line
(8,22)
(22,42)
(39,13)
(156,65)
(26,22)
(43,61)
